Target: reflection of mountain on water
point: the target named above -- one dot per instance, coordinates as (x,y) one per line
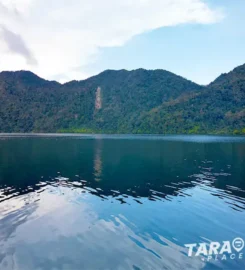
(140,169)
(98,160)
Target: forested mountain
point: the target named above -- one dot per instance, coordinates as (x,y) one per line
(138,101)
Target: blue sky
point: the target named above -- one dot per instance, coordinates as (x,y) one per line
(75,39)
(197,52)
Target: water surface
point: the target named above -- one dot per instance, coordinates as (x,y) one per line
(118,201)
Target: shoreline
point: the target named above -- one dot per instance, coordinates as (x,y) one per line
(140,137)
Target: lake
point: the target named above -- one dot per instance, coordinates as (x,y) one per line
(121,202)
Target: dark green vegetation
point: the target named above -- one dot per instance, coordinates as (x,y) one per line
(139,101)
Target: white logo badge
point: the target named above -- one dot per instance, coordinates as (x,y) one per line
(238,244)
(217,250)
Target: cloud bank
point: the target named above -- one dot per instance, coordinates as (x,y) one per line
(54,38)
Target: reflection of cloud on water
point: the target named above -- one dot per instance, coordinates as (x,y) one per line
(13,214)
(63,231)
(70,229)
(36,220)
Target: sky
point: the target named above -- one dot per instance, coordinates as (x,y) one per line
(65,40)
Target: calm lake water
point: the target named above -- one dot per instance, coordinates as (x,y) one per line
(119,202)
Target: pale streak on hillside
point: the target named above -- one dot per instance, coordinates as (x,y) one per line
(98,100)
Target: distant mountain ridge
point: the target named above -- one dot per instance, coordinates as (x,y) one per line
(137,101)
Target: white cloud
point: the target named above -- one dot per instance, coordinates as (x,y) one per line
(64,35)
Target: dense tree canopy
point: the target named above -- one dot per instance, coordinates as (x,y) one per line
(139,101)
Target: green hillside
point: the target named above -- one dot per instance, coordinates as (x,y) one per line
(138,101)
